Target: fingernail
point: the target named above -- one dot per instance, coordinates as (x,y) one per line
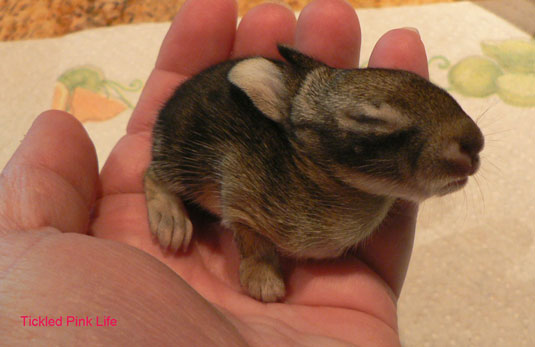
(412,29)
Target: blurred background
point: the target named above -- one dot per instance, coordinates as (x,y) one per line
(23,19)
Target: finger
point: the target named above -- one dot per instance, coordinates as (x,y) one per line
(329,31)
(389,249)
(201,35)
(401,49)
(51,180)
(262,28)
(158,89)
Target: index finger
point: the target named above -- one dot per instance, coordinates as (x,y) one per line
(201,35)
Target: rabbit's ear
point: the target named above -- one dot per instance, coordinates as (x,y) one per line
(298,59)
(263,82)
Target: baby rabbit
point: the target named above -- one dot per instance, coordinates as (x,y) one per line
(299,159)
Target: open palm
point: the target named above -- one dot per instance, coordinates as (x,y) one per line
(52,196)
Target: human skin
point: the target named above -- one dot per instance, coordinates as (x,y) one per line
(74,242)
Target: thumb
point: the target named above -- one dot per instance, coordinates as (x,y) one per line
(51,180)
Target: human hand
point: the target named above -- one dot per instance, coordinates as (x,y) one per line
(56,212)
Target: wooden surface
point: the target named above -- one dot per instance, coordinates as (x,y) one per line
(25,19)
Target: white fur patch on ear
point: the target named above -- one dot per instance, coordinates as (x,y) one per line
(263,82)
